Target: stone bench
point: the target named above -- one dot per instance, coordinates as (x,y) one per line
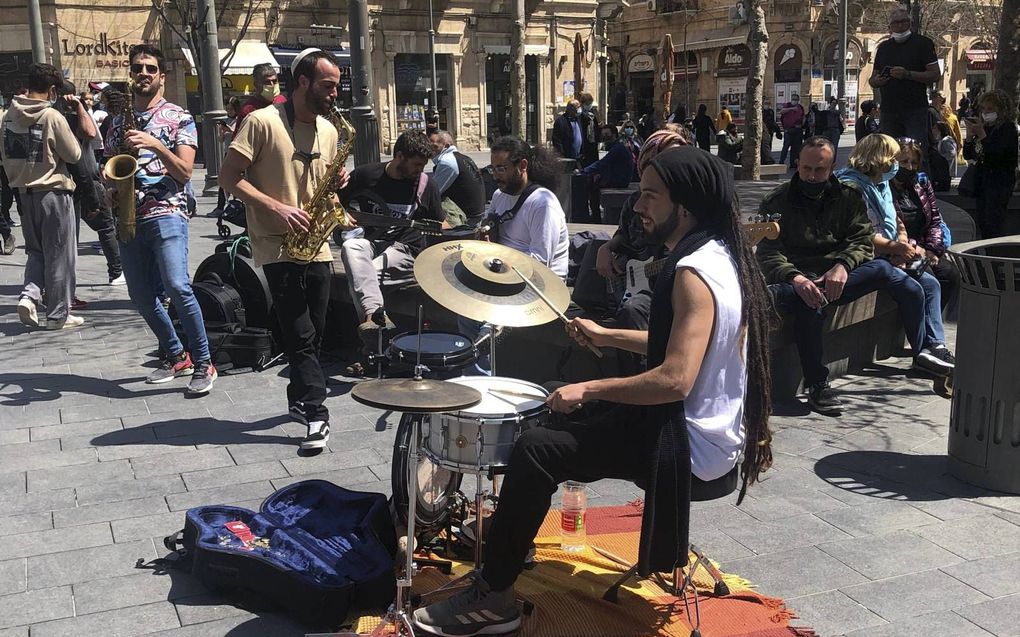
(767,171)
(1010,223)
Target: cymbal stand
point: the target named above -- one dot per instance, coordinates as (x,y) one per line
(489,332)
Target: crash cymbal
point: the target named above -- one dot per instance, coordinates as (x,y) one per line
(420,396)
(475,279)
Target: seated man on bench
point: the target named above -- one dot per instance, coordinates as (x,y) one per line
(703,402)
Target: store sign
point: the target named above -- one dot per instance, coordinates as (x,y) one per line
(108,53)
(734,60)
(788,64)
(853,56)
(641,63)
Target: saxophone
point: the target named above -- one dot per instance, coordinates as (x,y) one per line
(120,170)
(325,212)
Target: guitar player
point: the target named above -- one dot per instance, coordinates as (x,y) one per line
(374,257)
(630,243)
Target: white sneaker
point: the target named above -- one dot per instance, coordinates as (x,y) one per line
(27,312)
(318,435)
(70,323)
(120,280)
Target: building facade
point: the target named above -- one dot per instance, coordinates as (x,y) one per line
(90,41)
(711,60)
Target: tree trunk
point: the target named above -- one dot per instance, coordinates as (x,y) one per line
(757,40)
(1007,62)
(518,97)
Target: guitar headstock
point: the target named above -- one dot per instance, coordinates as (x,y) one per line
(429,227)
(755,232)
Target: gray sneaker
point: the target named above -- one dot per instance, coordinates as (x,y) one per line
(8,245)
(202,379)
(478,610)
(172,367)
(934,361)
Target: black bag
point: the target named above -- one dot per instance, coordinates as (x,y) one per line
(220,302)
(968,183)
(938,171)
(318,550)
(234,346)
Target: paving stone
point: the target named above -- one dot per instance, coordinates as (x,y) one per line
(17,418)
(341,477)
(205,608)
(234,475)
(12,483)
(220,495)
(126,622)
(35,606)
(14,436)
(20,503)
(950,508)
(942,624)
(108,440)
(91,427)
(832,613)
(180,463)
(333,461)
(877,517)
(133,590)
(88,564)
(993,576)
(770,537)
(75,475)
(46,456)
(796,573)
(776,508)
(999,616)
(975,537)
(109,511)
(55,540)
(26,523)
(149,526)
(128,451)
(13,577)
(890,555)
(129,489)
(238,625)
(100,412)
(20,631)
(915,594)
(279,447)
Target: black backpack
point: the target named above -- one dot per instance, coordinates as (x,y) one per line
(220,302)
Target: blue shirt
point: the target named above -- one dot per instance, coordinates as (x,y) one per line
(578,139)
(615,169)
(445,169)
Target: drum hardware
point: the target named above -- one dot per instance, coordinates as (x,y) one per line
(560,315)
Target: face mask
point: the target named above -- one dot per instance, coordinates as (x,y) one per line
(795,100)
(901,37)
(812,190)
(629,132)
(586,108)
(989,117)
(270,92)
(889,174)
(906,176)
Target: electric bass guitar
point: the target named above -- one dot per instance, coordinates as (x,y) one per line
(428,227)
(637,274)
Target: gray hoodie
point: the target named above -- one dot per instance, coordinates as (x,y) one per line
(37,146)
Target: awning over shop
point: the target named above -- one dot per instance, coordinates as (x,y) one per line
(504,49)
(248,54)
(980,59)
(285,56)
(713,40)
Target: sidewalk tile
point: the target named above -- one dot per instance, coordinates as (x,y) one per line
(107,439)
(149,526)
(206,608)
(93,427)
(877,516)
(890,555)
(35,606)
(26,523)
(179,463)
(209,478)
(14,436)
(974,538)
(133,590)
(55,541)
(833,613)
(332,461)
(20,503)
(126,622)
(13,577)
(239,626)
(804,571)
(993,576)
(915,594)
(770,537)
(941,624)
(220,495)
(48,459)
(98,412)
(81,474)
(88,564)
(340,477)
(999,616)
(13,483)
(109,511)
(129,489)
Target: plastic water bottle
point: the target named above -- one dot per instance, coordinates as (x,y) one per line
(572,517)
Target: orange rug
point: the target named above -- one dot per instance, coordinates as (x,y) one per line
(566,590)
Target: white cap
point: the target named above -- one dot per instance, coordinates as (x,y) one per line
(300,56)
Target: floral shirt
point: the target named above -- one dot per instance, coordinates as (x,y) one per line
(156,191)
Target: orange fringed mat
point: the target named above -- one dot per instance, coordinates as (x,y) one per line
(567,588)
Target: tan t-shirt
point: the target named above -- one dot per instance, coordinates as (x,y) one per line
(278,171)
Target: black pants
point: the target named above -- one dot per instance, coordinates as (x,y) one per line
(949,279)
(300,299)
(793,140)
(103,225)
(607,441)
(993,189)
(633,315)
(8,196)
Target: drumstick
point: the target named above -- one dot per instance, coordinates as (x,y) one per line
(518,394)
(534,288)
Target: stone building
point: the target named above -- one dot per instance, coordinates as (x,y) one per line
(803,52)
(564,47)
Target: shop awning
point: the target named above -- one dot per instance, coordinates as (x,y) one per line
(285,55)
(504,49)
(248,54)
(980,59)
(714,43)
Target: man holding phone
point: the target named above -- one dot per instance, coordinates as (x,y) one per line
(905,66)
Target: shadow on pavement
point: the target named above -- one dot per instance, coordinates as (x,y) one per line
(43,387)
(889,475)
(199,431)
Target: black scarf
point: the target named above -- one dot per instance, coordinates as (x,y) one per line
(700,182)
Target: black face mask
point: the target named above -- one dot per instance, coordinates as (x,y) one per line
(812,190)
(906,176)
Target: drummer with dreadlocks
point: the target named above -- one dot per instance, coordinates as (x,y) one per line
(702,405)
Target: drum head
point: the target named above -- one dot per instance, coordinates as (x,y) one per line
(502,396)
(437,486)
(432,344)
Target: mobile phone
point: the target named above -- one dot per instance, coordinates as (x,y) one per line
(886,72)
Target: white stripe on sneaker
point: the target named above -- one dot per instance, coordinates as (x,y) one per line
(490,615)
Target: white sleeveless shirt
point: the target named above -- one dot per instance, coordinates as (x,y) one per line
(714,408)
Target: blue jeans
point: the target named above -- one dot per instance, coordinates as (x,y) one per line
(157,260)
(916,301)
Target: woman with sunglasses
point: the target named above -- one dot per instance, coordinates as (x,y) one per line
(992,145)
(918,212)
(872,165)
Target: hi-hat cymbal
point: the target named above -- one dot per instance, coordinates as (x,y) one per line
(421,396)
(475,279)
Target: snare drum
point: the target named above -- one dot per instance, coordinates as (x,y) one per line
(481,439)
(440,351)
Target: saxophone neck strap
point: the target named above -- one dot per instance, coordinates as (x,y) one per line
(306,157)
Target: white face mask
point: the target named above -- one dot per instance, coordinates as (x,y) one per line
(901,37)
(989,117)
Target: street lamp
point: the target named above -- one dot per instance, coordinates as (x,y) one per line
(434,100)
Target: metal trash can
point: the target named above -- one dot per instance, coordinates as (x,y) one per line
(565,183)
(984,424)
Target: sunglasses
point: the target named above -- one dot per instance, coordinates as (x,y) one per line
(151,69)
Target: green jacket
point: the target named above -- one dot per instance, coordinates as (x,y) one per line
(810,243)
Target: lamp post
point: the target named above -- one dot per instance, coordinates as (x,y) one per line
(841,60)
(366,126)
(212,93)
(36,32)
(434,99)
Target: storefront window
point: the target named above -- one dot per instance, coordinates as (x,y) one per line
(413,78)
(497,96)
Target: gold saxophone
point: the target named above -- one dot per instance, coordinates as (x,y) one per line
(120,169)
(324,210)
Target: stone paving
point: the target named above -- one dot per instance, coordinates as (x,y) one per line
(858,526)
